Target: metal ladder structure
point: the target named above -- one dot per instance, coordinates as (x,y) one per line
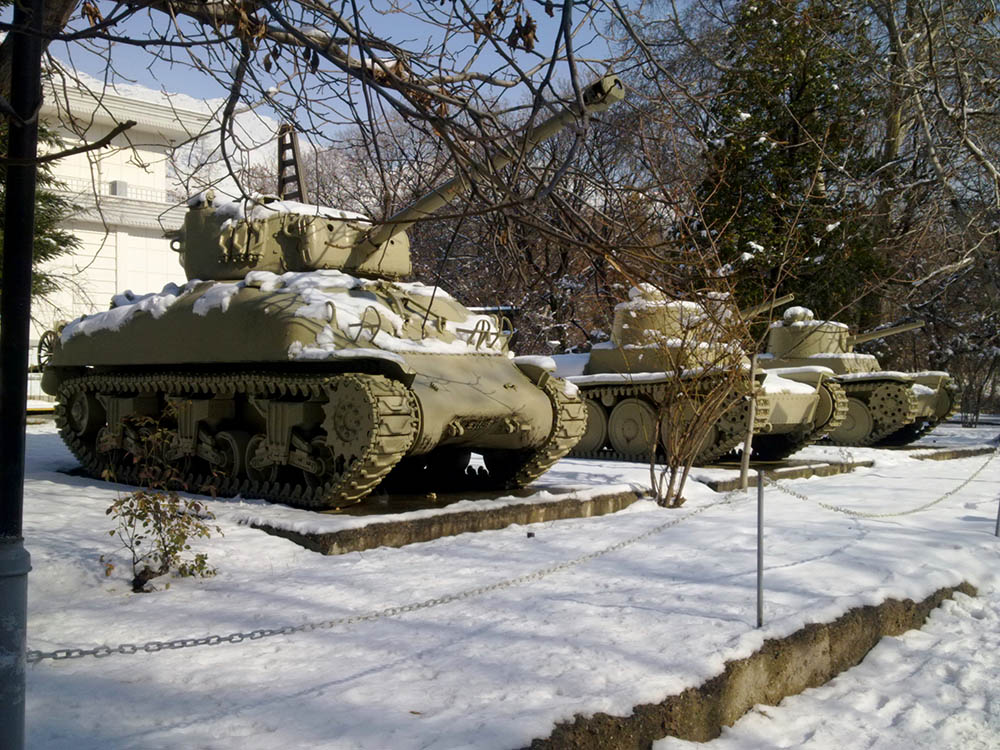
(290,184)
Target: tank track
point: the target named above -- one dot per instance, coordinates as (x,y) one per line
(917,429)
(777,447)
(882,426)
(394,416)
(733,429)
(730,433)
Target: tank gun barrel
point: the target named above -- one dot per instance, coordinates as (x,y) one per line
(755,310)
(860,338)
(597,97)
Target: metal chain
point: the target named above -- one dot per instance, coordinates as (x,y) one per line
(33,657)
(859,514)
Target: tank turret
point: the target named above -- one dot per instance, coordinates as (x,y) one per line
(293,366)
(652,333)
(799,335)
(884,408)
(228,240)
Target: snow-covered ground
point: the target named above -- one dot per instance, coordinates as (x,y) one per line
(606,613)
(934,688)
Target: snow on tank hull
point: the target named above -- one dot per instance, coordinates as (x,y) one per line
(883,407)
(806,404)
(305,388)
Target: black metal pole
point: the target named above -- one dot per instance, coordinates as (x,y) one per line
(15,309)
(19,231)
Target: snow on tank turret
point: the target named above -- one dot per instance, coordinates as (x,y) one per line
(884,407)
(655,339)
(293,365)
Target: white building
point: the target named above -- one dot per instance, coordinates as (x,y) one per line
(125,197)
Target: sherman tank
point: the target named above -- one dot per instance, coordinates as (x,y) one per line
(296,366)
(656,341)
(883,407)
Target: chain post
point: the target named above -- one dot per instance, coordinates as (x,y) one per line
(760,548)
(748,438)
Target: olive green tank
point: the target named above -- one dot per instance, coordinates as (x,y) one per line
(653,340)
(294,364)
(884,407)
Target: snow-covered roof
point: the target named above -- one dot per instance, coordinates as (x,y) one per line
(175,117)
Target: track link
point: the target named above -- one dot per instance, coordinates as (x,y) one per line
(393,414)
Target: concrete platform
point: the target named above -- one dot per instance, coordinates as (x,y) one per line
(810,657)
(402,520)
(37,405)
(788,469)
(947,454)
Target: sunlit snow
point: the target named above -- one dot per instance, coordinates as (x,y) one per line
(593,614)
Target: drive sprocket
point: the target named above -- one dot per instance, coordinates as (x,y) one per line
(919,427)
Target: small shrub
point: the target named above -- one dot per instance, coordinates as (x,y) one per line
(155,524)
(156,528)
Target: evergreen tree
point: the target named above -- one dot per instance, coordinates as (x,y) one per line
(51,209)
(785,140)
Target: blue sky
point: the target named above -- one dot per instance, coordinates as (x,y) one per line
(138,65)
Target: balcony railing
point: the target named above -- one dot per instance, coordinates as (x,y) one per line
(114,189)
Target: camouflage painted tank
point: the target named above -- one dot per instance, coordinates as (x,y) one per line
(294,366)
(884,408)
(655,340)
